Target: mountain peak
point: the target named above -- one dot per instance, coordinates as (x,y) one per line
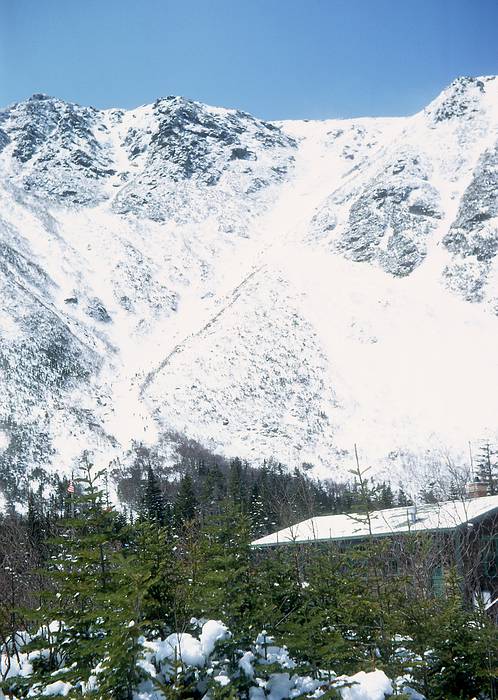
(461,99)
(39,97)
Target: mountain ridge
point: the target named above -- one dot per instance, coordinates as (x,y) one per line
(253,285)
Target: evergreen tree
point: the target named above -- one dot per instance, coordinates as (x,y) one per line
(260,522)
(401,498)
(487,468)
(36,525)
(123,624)
(455,650)
(321,603)
(226,587)
(236,483)
(429,494)
(264,512)
(94,593)
(186,504)
(386,496)
(167,600)
(213,490)
(153,505)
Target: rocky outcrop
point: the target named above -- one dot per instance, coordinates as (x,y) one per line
(473,236)
(56,154)
(461,100)
(191,147)
(392,215)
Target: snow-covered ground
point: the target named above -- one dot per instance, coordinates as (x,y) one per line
(271,290)
(201,654)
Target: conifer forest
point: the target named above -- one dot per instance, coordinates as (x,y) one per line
(166,598)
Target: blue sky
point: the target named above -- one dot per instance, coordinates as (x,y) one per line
(274,58)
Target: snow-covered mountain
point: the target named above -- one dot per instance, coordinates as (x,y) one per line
(268,289)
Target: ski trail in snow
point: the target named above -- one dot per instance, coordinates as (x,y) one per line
(266,241)
(231,272)
(235,295)
(315,176)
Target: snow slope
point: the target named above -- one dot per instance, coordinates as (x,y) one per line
(279,290)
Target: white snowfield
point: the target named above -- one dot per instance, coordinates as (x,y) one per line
(434,517)
(270,290)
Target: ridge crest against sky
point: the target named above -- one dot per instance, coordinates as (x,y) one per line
(277,59)
(218,109)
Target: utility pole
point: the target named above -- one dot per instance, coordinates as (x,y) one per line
(471,461)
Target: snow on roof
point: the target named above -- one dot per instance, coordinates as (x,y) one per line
(444,516)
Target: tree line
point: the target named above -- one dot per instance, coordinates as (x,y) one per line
(94,581)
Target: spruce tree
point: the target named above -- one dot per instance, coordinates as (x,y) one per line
(153,502)
(227,580)
(185,507)
(213,490)
(455,649)
(401,498)
(123,625)
(36,525)
(91,610)
(487,468)
(319,611)
(257,513)
(167,600)
(386,496)
(236,478)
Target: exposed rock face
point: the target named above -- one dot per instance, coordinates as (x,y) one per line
(268,289)
(392,215)
(461,100)
(56,151)
(473,236)
(186,147)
